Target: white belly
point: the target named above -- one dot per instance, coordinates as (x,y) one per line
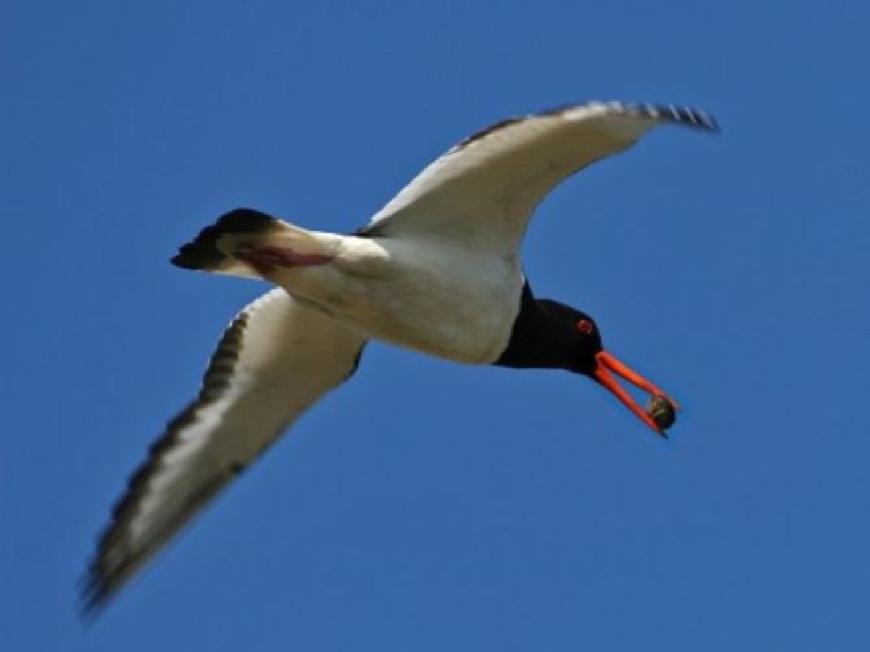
(433,298)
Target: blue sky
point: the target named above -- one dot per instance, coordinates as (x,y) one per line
(427,505)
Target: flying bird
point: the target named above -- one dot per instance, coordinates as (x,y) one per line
(437,270)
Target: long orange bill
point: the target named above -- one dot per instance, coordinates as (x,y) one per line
(607,364)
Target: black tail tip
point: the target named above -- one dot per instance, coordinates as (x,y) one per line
(203,252)
(197,256)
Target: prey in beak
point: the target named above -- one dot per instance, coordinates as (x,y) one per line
(659,415)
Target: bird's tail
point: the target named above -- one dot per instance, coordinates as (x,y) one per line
(245,242)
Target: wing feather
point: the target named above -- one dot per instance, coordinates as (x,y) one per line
(483,191)
(276,359)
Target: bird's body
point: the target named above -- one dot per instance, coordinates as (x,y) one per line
(413,294)
(437,270)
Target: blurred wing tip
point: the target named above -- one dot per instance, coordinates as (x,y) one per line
(675,113)
(94,594)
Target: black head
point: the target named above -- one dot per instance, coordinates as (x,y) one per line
(574,332)
(548,334)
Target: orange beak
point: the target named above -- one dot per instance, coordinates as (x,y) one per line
(606,364)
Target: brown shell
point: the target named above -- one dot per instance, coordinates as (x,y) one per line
(662,411)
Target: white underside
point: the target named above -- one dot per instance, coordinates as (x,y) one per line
(430,296)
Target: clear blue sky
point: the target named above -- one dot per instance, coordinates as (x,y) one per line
(430,506)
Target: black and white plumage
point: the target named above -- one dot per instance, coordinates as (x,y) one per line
(275,360)
(437,270)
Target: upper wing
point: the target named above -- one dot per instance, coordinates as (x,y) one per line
(483,191)
(276,359)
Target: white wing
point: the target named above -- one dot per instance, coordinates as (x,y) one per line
(276,359)
(484,190)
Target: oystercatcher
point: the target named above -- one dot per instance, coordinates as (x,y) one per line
(436,270)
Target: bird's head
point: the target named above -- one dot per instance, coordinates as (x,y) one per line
(580,337)
(553,334)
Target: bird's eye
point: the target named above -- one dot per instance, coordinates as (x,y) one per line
(585,326)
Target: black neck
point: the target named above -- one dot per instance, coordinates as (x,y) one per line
(539,339)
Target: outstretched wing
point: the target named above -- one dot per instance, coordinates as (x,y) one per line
(276,359)
(484,190)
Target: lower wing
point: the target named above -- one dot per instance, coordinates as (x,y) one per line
(275,360)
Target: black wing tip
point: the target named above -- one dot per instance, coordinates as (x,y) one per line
(98,588)
(683,115)
(676,113)
(203,253)
(92,601)
(94,594)
(101,581)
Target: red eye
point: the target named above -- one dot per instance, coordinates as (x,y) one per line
(585,326)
